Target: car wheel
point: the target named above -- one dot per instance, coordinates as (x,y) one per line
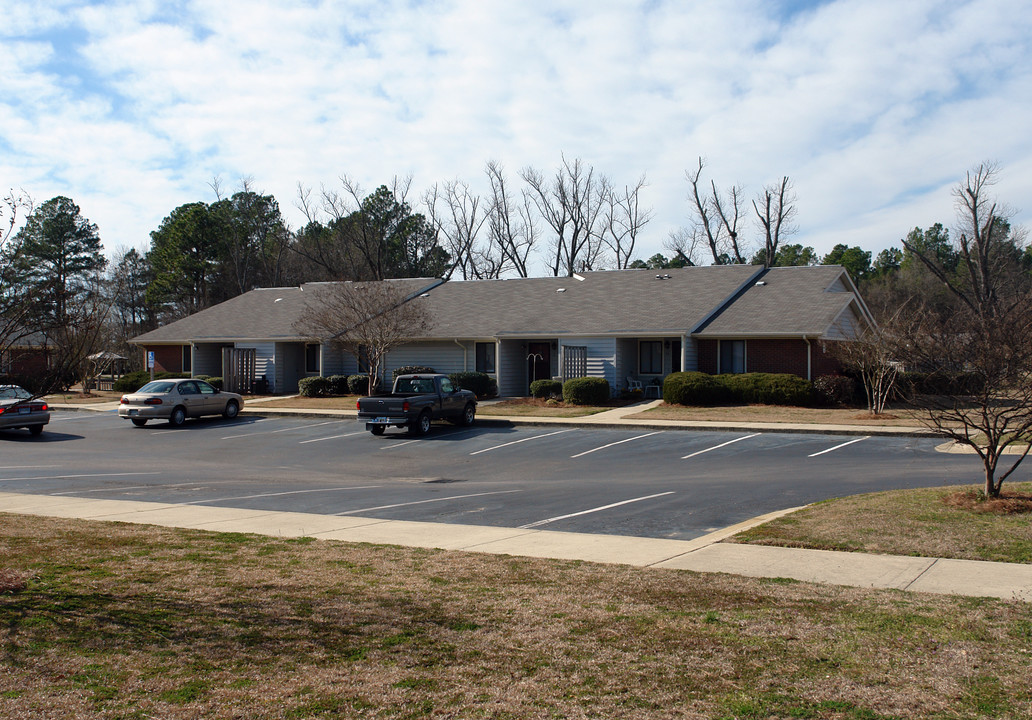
(422,424)
(469,416)
(178,416)
(139,422)
(377,429)
(232,409)
(35,429)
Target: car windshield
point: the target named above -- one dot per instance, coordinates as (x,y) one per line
(13,392)
(158,386)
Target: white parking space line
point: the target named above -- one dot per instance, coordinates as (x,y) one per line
(273,432)
(832,449)
(539,523)
(407,442)
(74,477)
(279,494)
(618,442)
(717,447)
(423,502)
(330,437)
(27,467)
(163,486)
(517,442)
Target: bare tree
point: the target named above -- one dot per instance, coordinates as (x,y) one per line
(775,215)
(571,204)
(872,356)
(685,245)
(15,305)
(456,214)
(367,320)
(714,220)
(623,220)
(987,279)
(510,225)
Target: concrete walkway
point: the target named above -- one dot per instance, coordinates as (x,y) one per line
(1010,581)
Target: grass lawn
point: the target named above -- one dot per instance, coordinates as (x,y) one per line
(896,416)
(944,522)
(75,397)
(105,620)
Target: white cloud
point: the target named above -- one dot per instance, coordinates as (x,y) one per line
(873,107)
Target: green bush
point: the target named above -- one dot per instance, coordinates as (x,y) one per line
(694,388)
(482,384)
(546,388)
(358,384)
(411,370)
(314,387)
(131,382)
(216,382)
(338,384)
(586,391)
(769,388)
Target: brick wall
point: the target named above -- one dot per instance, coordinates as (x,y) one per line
(167,358)
(785,355)
(707,356)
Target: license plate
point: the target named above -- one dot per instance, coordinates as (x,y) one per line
(381,420)
(133,412)
(24,410)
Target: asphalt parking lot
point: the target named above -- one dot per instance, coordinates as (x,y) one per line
(647,483)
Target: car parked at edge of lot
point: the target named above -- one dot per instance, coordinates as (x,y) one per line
(18,409)
(176,400)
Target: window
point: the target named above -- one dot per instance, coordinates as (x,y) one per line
(650,357)
(312,358)
(485,357)
(675,356)
(446,386)
(732,356)
(187,357)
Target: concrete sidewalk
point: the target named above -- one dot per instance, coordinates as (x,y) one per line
(1009,581)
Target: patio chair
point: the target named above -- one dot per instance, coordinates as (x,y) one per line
(633,384)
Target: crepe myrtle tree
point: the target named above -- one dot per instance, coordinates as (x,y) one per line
(367,320)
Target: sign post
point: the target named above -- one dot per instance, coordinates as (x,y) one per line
(150,363)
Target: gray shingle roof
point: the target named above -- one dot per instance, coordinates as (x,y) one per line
(791,301)
(625,302)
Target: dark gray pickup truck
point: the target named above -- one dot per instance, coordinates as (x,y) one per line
(418,400)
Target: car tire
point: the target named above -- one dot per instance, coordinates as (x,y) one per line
(422,424)
(377,429)
(232,410)
(178,416)
(469,416)
(139,422)
(35,429)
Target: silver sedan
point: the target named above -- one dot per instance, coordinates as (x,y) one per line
(18,409)
(176,400)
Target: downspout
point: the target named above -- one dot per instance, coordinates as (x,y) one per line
(465,354)
(809,358)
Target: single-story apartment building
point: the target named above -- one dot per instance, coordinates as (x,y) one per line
(620,325)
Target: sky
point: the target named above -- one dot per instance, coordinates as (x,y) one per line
(875,109)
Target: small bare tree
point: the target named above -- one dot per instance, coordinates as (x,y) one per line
(571,204)
(872,357)
(623,219)
(15,305)
(714,220)
(510,224)
(367,320)
(775,215)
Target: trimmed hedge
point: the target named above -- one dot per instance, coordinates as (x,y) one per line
(314,387)
(546,388)
(338,384)
(411,370)
(358,384)
(835,390)
(482,384)
(697,388)
(586,391)
(215,382)
(131,382)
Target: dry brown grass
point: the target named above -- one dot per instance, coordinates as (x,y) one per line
(948,522)
(539,407)
(341,402)
(76,397)
(896,416)
(122,621)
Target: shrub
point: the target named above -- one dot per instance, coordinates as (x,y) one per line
(769,388)
(131,382)
(338,384)
(411,370)
(358,384)
(482,384)
(546,388)
(216,382)
(942,383)
(834,390)
(694,388)
(586,391)
(314,387)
